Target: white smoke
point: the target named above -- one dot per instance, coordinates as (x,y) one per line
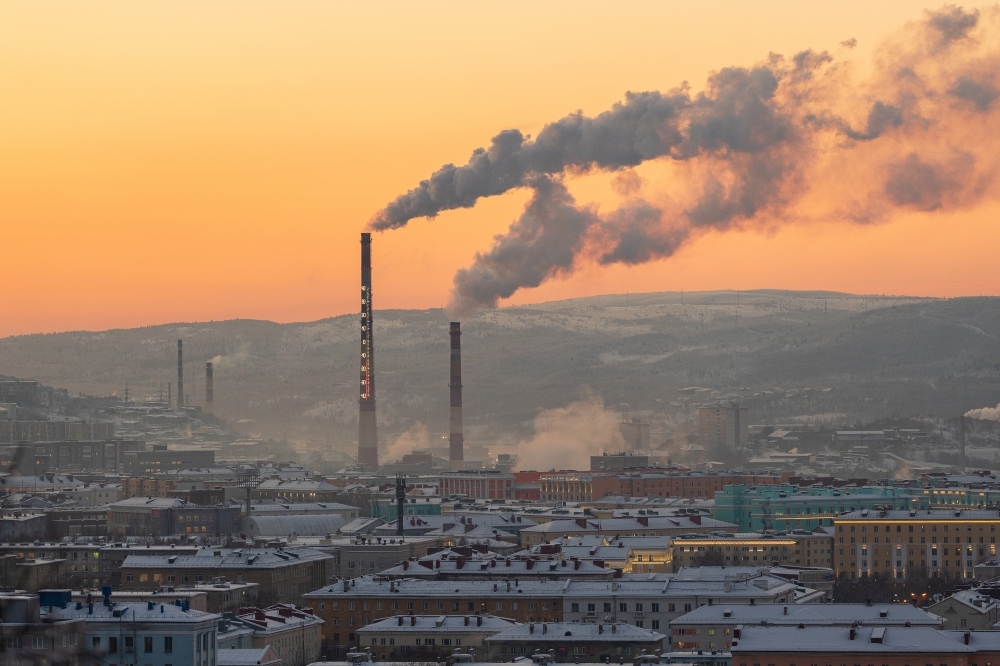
(416,438)
(984,413)
(566,437)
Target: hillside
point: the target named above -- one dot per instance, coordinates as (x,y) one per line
(874,357)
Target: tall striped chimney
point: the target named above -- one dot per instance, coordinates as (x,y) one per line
(456,440)
(180,375)
(209,389)
(367,433)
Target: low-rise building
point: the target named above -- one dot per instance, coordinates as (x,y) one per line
(296,490)
(282,574)
(463,564)
(349,604)
(480,484)
(652,601)
(158,634)
(890,646)
(295,633)
(588,643)
(710,628)
(967,609)
(429,637)
(159,516)
(23,526)
(30,639)
(637,526)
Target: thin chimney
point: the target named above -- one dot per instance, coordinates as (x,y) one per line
(961,441)
(209,389)
(367,433)
(456,439)
(180,375)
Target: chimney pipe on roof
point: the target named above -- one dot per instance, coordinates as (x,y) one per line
(367,432)
(456,440)
(209,389)
(180,375)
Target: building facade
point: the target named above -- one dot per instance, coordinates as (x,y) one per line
(894,544)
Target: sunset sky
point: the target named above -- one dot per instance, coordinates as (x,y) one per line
(176,161)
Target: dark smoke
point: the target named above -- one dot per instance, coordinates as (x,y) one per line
(753,142)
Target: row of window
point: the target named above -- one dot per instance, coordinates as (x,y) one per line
(129,644)
(455,605)
(923,528)
(922,540)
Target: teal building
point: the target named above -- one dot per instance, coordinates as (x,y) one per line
(413,506)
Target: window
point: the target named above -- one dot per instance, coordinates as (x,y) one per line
(96,643)
(147,644)
(168,644)
(622,608)
(129,645)
(607,608)
(655,608)
(38,642)
(574,608)
(129,578)
(113,645)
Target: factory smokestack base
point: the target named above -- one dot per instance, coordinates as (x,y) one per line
(209,389)
(180,375)
(367,433)
(456,439)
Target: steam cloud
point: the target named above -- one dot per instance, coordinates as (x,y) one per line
(984,414)
(415,438)
(566,437)
(786,140)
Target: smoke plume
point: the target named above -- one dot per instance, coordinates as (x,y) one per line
(415,438)
(791,139)
(566,437)
(984,414)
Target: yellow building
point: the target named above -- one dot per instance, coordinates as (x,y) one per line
(944,543)
(798,547)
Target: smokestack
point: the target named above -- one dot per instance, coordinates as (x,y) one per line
(961,441)
(455,438)
(209,389)
(180,375)
(400,501)
(367,434)
(169,397)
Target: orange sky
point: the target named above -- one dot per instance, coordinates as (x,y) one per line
(191,161)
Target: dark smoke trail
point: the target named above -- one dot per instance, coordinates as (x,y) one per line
(757,141)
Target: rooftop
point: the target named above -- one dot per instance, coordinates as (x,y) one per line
(142,612)
(579,631)
(809,614)
(827,640)
(240,558)
(450,623)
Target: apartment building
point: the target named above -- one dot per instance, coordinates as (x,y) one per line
(709,628)
(146,487)
(158,634)
(864,644)
(429,637)
(889,543)
(635,526)
(799,547)
(294,633)
(349,604)
(160,516)
(283,575)
(583,643)
(482,484)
